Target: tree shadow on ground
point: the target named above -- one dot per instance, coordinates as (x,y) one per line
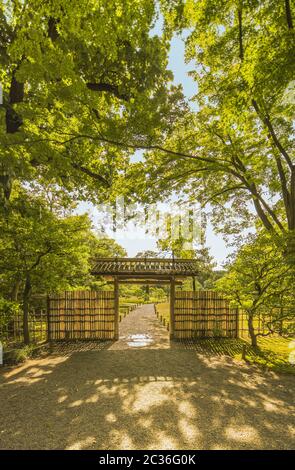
(212,346)
(145,399)
(269,360)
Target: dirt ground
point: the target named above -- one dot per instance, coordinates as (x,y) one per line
(142,392)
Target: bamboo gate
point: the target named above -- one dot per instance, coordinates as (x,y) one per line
(94,315)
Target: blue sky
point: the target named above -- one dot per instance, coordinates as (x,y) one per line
(180,70)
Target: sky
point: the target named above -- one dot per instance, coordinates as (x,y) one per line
(135,244)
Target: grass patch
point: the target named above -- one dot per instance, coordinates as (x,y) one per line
(273,353)
(21,353)
(163,310)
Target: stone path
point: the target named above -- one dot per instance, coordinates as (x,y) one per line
(142,329)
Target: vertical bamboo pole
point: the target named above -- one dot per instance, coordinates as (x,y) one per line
(237,323)
(172,302)
(116,307)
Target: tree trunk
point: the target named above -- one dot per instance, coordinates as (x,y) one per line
(289,14)
(15,290)
(291,219)
(252,330)
(290,248)
(26,306)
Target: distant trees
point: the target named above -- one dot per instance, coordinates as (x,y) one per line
(261,283)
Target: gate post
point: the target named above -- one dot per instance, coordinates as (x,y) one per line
(48,319)
(116,307)
(172,301)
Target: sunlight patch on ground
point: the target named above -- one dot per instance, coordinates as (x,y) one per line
(126,443)
(35,366)
(164,442)
(76,403)
(139,340)
(185,408)
(271,407)
(145,422)
(92,399)
(146,397)
(82,444)
(242,434)
(121,440)
(111,418)
(32,371)
(291,430)
(62,398)
(188,430)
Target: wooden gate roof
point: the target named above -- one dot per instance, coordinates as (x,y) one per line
(144,267)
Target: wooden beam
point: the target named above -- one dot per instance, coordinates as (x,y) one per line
(144,260)
(148,282)
(153,276)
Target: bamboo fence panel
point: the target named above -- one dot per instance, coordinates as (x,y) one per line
(81,315)
(203,314)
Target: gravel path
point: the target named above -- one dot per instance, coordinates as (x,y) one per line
(142,393)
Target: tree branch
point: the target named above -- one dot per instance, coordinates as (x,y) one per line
(283,179)
(52,28)
(113,89)
(90,173)
(270,211)
(268,124)
(16,95)
(123,145)
(256,196)
(223,191)
(39,257)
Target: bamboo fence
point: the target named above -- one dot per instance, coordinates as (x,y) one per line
(203,314)
(81,315)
